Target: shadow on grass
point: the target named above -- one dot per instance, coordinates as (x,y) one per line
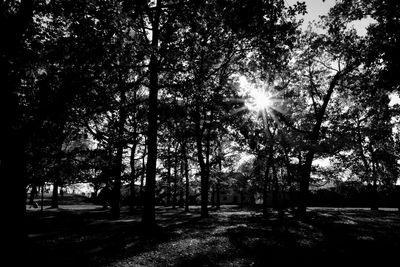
(230,237)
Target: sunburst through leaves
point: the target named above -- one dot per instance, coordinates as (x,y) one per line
(260,99)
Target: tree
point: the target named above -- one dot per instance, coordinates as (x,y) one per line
(319,55)
(383,44)
(15,20)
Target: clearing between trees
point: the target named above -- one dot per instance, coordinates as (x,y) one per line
(231,236)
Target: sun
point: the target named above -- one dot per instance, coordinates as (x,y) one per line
(259,100)
(258,97)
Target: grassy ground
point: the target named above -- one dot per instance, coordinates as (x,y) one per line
(75,236)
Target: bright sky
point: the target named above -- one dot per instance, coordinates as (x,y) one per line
(316,8)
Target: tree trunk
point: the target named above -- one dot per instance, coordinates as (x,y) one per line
(213,195)
(270,163)
(117,168)
(42,198)
(149,217)
(275,189)
(132,199)
(203,171)
(218,189)
(13,25)
(33,194)
(174,194)
(374,193)
(187,186)
(181,193)
(142,177)
(54,197)
(57,168)
(290,203)
(116,190)
(168,193)
(313,138)
(204,183)
(305,184)
(265,191)
(219,178)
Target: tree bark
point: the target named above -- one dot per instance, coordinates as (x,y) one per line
(117,166)
(54,197)
(33,194)
(219,178)
(132,199)
(148,217)
(181,193)
(265,190)
(218,193)
(313,142)
(275,188)
(374,191)
(141,189)
(203,168)
(174,194)
(187,185)
(212,195)
(168,193)
(57,172)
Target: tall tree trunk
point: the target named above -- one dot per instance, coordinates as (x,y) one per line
(270,163)
(117,166)
(314,137)
(142,177)
(218,193)
(174,194)
(361,149)
(212,195)
(42,198)
(132,199)
(13,25)
(305,183)
(219,178)
(116,190)
(187,186)
(265,191)
(374,193)
(168,193)
(275,186)
(203,168)
(181,193)
(289,179)
(57,172)
(33,194)
(54,197)
(149,216)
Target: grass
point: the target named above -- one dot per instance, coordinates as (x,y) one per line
(230,237)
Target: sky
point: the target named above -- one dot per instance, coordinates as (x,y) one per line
(316,8)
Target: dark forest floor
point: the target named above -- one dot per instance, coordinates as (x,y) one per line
(86,236)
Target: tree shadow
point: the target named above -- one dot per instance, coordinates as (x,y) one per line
(229,237)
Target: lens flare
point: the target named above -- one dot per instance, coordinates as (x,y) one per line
(259,100)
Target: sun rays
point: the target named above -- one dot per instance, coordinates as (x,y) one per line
(259,99)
